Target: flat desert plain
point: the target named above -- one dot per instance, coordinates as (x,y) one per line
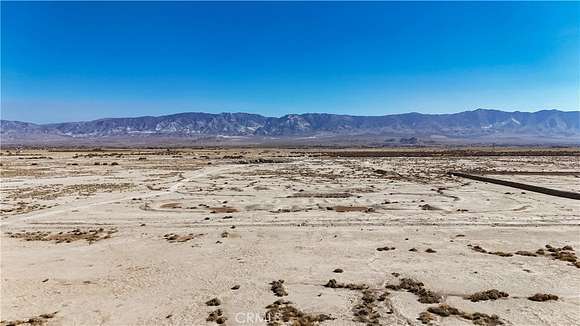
(288,237)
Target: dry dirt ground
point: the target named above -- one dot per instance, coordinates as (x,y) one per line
(131,237)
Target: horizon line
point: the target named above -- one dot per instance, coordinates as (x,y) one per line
(288,114)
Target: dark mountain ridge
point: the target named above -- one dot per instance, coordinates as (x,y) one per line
(468,124)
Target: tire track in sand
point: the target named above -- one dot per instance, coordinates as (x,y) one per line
(203,172)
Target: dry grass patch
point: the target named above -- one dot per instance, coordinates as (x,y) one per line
(283,312)
(213,302)
(278,288)
(56,191)
(333,284)
(171,205)
(365,311)
(90,235)
(476,318)
(173,237)
(426,317)
(344,209)
(541,297)
(223,210)
(321,195)
(23,207)
(525,253)
(417,288)
(492,294)
(217,317)
(483,251)
(37,321)
(565,253)
(11,172)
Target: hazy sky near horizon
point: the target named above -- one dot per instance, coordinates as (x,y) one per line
(68,61)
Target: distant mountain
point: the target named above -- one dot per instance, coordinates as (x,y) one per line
(480,123)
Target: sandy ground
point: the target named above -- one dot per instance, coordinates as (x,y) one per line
(151,236)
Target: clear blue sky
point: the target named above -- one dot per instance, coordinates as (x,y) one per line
(65,61)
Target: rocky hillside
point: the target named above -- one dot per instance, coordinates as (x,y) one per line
(478,123)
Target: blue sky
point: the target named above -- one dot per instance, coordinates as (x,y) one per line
(65,61)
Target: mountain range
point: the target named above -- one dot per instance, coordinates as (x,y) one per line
(479,124)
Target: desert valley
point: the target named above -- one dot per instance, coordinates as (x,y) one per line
(289,237)
(289,163)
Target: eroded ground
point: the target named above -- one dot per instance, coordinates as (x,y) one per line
(254,237)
